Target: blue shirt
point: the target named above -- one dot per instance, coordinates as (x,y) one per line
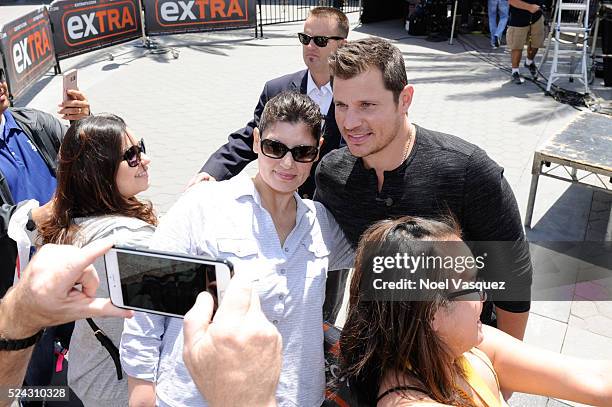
(227,220)
(25,170)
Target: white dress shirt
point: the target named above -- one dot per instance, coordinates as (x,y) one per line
(321,96)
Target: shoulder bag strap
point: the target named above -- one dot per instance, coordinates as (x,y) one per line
(108,345)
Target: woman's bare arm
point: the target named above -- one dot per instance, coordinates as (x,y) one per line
(528,369)
(141,392)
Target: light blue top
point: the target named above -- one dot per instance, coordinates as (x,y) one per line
(226,220)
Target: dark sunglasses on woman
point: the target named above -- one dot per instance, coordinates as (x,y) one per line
(472,294)
(277,150)
(132,154)
(319,40)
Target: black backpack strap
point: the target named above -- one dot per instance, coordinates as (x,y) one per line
(108,344)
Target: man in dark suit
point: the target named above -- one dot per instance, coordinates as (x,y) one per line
(324,31)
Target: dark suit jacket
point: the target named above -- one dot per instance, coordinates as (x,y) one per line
(233,156)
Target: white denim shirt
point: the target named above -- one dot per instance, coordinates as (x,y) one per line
(226,220)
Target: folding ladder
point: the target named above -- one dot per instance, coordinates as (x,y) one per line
(571,18)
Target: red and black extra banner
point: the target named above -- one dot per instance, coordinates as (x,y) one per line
(82,26)
(182,16)
(27,48)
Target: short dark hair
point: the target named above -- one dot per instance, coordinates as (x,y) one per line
(292,107)
(358,56)
(341,18)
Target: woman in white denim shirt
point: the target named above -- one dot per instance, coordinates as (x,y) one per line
(266,230)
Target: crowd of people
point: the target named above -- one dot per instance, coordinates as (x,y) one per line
(338,132)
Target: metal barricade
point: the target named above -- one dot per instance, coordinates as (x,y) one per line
(287,11)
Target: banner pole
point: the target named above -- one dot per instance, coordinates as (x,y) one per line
(453,25)
(144,38)
(256,21)
(153,46)
(260,19)
(57,69)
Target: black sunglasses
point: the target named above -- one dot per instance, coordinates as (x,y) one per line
(468,295)
(319,40)
(132,154)
(277,150)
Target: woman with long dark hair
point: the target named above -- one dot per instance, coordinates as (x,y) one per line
(428,347)
(102,167)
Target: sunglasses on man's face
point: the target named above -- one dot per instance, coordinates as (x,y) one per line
(319,40)
(132,154)
(277,150)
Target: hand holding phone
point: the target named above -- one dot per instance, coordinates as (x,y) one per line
(163,283)
(75,105)
(70,83)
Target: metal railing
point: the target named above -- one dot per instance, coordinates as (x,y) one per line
(288,11)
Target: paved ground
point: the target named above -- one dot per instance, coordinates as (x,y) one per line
(185,108)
